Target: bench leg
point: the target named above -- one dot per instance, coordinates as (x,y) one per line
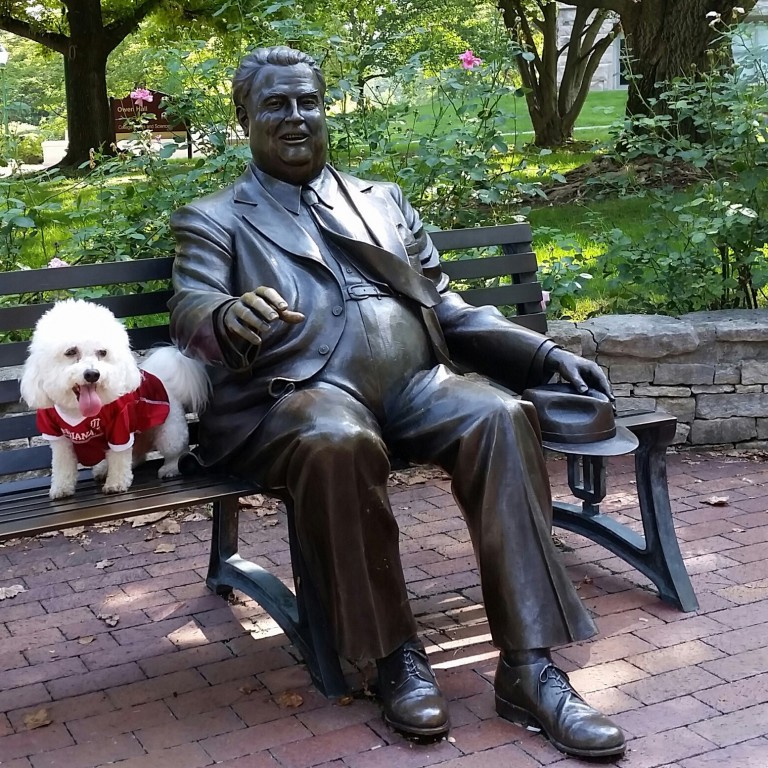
(228,571)
(656,554)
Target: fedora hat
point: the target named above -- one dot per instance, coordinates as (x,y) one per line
(579,424)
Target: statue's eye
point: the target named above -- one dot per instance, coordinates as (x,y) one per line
(101,353)
(71,352)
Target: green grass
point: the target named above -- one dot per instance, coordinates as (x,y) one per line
(601,109)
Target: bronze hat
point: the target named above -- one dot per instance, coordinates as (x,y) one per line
(579,424)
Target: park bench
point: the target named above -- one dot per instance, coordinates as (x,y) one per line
(138,291)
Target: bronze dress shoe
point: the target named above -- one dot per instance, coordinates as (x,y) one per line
(408,691)
(539,697)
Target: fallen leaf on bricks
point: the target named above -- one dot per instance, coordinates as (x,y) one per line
(345,701)
(289,699)
(70,533)
(37,719)
(110,619)
(12,591)
(152,517)
(48,534)
(163,548)
(104,563)
(246,689)
(270,522)
(716,501)
(194,517)
(87,640)
(168,526)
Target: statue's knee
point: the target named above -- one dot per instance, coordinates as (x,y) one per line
(344,441)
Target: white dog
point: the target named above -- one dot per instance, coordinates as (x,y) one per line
(97,407)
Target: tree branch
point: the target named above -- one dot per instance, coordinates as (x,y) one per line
(118,30)
(619,6)
(53,40)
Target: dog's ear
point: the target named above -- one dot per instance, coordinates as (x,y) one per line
(32,391)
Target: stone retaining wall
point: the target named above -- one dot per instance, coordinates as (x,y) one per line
(710,369)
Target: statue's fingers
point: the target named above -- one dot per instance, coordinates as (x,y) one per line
(272,296)
(280,304)
(263,310)
(289,316)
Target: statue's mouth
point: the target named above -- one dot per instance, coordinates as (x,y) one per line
(294,138)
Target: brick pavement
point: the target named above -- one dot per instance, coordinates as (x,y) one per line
(119,648)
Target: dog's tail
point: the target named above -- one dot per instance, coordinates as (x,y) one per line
(184,378)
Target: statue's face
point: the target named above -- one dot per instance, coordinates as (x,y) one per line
(284,120)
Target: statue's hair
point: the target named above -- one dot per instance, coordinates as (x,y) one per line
(277,55)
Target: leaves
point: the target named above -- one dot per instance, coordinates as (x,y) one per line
(289,700)
(12,591)
(37,719)
(716,501)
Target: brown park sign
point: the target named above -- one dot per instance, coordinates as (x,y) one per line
(125,113)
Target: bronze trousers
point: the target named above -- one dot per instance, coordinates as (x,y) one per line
(329,453)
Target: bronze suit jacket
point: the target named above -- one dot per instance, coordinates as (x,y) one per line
(239,238)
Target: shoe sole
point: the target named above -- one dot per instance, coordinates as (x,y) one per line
(526,720)
(415,731)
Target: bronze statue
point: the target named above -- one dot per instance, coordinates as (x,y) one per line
(332,340)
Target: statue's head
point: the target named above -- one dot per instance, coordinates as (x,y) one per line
(278,94)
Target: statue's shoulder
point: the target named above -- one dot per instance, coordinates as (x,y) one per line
(218,206)
(383,188)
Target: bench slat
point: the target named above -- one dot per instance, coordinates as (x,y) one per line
(503,295)
(491,266)
(481,237)
(109,273)
(18,427)
(131,305)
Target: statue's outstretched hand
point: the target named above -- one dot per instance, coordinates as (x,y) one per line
(581,373)
(250,316)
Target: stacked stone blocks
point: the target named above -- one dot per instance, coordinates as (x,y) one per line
(709,369)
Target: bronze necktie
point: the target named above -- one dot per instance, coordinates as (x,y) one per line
(377,263)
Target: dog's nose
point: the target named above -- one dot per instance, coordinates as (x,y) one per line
(91,375)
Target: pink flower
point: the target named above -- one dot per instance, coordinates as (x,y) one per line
(56,262)
(469,60)
(140,96)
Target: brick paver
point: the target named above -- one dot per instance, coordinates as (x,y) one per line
(135,664)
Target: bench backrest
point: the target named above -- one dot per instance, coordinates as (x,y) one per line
(138,292)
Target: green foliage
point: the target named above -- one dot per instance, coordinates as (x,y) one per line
(710,251)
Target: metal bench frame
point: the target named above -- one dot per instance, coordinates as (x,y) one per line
(142,290)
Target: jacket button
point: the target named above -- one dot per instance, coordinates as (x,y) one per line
(337,311)
(324,349)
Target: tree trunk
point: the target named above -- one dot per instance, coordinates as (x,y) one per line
(89,122)
(668,39)
(554,105)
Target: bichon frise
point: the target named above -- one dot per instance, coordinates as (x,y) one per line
(97,407)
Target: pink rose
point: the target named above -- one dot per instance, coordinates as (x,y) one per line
(141,96)
(469,60)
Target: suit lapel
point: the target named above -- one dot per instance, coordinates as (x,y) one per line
(373,213)
(266,215)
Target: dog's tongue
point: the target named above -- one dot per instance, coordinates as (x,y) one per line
(88,401)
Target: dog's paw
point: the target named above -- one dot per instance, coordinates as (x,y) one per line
(100,470)
(169,470)
(61,491)
(111,487)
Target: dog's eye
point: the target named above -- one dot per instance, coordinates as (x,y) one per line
(101,353)
(71,352)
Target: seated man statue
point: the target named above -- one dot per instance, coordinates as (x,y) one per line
(332,339)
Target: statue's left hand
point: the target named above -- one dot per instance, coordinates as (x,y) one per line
(580,372)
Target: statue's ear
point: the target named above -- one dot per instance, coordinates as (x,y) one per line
(242,118)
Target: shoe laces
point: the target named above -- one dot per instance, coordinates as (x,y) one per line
(551,672)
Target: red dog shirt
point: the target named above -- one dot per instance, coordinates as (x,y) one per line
(114,426)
